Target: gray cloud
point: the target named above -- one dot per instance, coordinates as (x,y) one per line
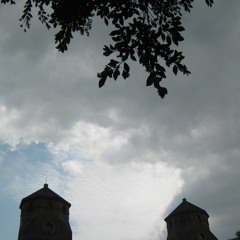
(53,98)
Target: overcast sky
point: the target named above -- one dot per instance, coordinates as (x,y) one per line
(120,154)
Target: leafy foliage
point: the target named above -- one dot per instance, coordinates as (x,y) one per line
(147,31)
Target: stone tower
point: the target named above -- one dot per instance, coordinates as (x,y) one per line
(44,216)
(188,222)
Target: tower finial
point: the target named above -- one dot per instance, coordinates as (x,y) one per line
(46,179)
(183,193)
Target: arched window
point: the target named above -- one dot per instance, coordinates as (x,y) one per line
(198,218)
(200,236)
(50,205)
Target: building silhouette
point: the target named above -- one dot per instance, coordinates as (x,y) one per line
(44,216)
(188,222)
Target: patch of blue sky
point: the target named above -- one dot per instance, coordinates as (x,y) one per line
(37,152)
(22,164)
(10,217)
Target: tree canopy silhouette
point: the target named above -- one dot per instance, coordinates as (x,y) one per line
(147,31)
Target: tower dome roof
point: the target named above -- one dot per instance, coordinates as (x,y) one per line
(44,193)
(185,207)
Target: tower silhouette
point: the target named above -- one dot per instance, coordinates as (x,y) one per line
(44,216)
(188,222)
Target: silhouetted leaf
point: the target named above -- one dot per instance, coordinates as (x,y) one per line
(175,69)
(126,67)
(162,92)
(209,2)
(116,73)
(125,74)
(150,80)
(169,40)
(107,51)
(106,21)
(133,57)
(113,63)
(102,81)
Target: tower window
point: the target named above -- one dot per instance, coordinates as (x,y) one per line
(50,205)
(200,236)
(198,218)
(48,228)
